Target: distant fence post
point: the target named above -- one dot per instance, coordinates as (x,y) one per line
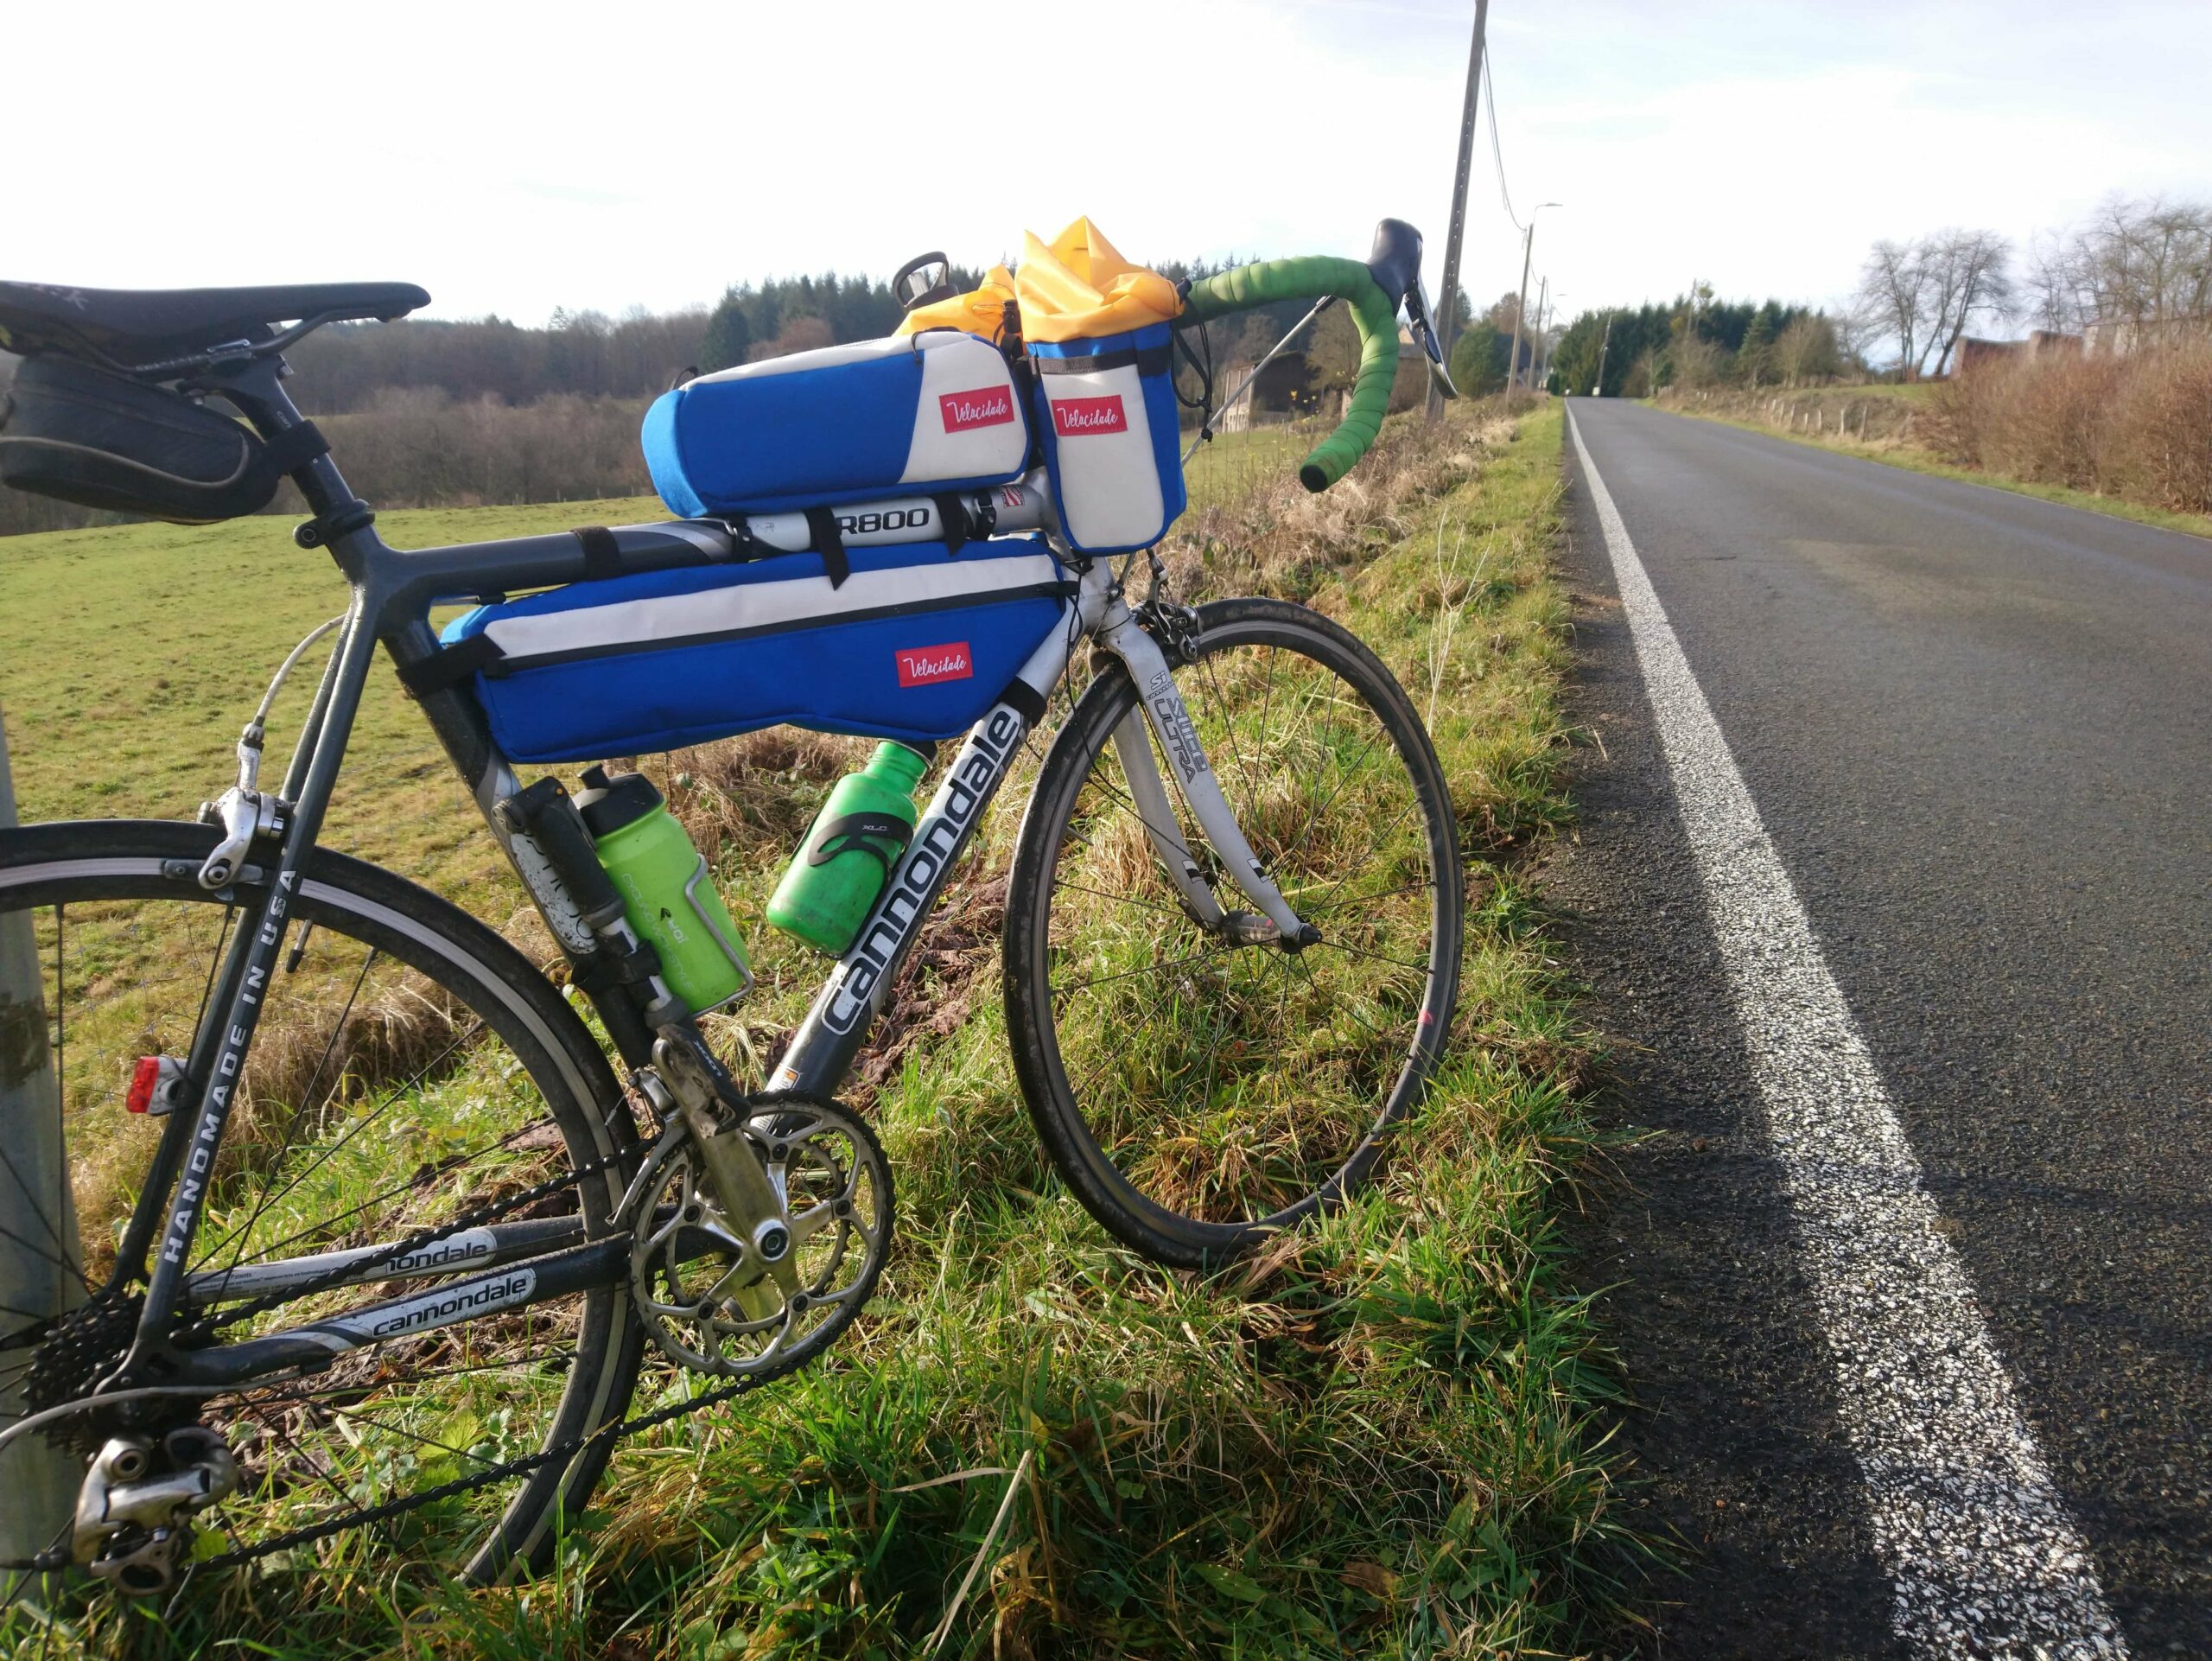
(38,1482)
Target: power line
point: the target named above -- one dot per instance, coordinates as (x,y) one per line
(1497,155)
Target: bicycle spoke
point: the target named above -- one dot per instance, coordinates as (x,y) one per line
(1229,728)
(1373,842)
(59,1259)
(60,1029)
(1150,969)
(419,1181)
(1303,969)
(360,1125)
(215,957)
(1127,805)
(1426,885)
(263,1199)
(1267,704)
(55,1251)
(1061,884)
(1379,957)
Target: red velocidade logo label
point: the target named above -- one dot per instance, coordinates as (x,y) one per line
(1075,417)
(986,406)
(926,665)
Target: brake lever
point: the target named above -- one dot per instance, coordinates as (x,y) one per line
(1426,337)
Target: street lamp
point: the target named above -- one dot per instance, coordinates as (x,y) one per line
(1528,247)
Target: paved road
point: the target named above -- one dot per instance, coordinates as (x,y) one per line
(1976,730)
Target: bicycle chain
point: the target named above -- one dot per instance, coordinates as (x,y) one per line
(53,1562)
(559,1453)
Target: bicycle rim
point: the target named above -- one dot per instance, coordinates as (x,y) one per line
(1199,1095)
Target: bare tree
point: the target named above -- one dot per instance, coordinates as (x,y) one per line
(1923,293)
(1970,275)
(2056,295)
(2142,264)
(1894,295)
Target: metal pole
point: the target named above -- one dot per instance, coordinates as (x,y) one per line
(1513,363)
(1536,349)
(39,1253)
(1448,325)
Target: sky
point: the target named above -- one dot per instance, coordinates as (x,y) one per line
(513,161)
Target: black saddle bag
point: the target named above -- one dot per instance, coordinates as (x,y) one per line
(71,430)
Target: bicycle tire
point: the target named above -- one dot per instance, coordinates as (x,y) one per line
(1097,1163)
(89,864)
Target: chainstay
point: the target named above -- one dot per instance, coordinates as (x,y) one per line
(351,1274)
(368,1516)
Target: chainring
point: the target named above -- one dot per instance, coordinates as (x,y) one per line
(709,1302)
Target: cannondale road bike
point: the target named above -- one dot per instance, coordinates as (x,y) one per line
(389,1286)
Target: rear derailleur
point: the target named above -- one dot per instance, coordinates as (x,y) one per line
(135,1510)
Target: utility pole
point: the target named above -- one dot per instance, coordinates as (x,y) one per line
(1528,247)
(1604,342)
(1447,324)
(1538,346)
(1513,362)
(39,1254)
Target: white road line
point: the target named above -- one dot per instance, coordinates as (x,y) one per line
(1983,1556)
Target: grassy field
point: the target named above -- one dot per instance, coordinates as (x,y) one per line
(1875,422)
(1380,1438)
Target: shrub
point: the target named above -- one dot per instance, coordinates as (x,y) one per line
(2160,440)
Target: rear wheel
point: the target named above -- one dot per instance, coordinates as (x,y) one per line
(1198,1093)
(409,1068)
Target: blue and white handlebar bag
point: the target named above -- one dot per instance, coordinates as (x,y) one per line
(916,643)
(931,411)
(1106,406)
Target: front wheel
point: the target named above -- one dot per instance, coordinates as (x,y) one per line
(1200,1093)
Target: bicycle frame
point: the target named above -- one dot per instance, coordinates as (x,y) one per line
(392,592)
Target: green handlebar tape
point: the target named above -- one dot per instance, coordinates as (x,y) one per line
(1309,278)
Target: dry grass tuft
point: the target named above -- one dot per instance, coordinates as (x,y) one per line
(1280,539)
(758,786)
(319,1056)
(2139,427)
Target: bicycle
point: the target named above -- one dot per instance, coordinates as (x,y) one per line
(1215,1040)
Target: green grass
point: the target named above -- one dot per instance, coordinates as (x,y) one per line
(1379,1439)
(1916,460)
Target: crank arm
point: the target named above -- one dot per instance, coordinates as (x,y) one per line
(1170,720)
(749,1201)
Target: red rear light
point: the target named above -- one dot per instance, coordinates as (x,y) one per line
(144,1077)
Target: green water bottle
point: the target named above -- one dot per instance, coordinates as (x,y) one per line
(832,884)
(664,887)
